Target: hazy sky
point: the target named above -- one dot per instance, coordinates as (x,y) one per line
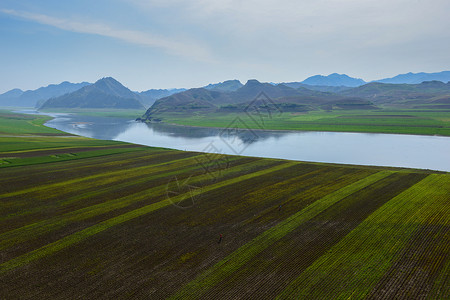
(188,43)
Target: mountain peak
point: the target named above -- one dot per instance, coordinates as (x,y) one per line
(226,86)
(252,82)
(108,79)
(104,93)
(334,79)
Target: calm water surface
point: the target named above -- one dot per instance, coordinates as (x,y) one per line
(413,151)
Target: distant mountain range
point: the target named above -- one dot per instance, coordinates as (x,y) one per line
(105,93)
(108,92)
(338,82)
(19,98)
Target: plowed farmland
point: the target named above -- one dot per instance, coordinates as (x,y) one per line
(88,219)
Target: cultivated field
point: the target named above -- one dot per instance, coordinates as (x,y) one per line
(83,218)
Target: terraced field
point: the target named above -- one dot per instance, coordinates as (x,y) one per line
(81,218)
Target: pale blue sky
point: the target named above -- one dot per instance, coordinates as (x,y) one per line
(174,43)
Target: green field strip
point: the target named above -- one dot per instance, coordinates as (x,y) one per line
(36,229)
(88,232)
(245,253)
(353,266)
(420,262)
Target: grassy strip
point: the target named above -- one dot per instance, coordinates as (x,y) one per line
(354,265)
(244,254)
(88,232)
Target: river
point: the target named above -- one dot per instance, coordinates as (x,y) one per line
(396,150)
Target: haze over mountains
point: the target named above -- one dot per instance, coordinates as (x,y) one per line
(109,93)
